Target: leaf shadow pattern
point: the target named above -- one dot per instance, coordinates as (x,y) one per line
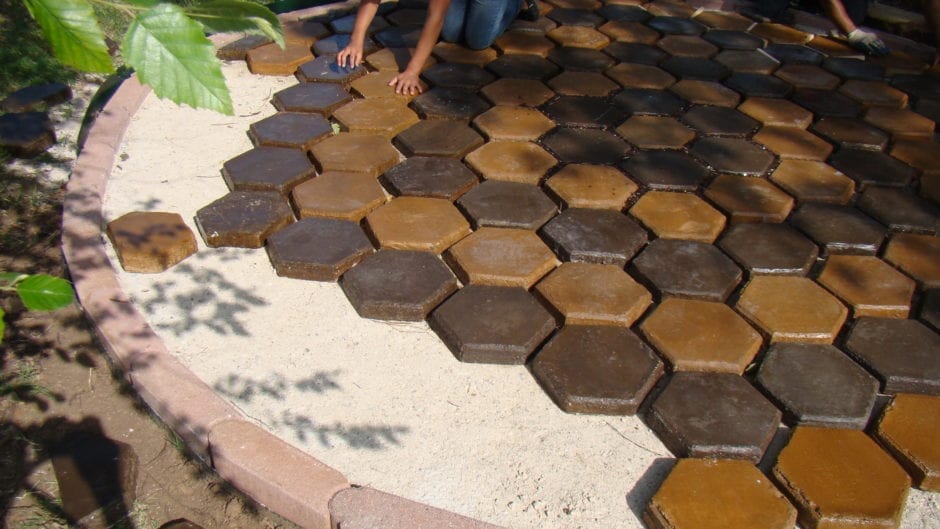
(245,389)
(357,436)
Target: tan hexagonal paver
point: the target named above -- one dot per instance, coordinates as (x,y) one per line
(501,257)
(874,93)
(580,185)
(270,59)
(655,132)
(706,93)
(578,37)
(150,241)
(377,116)
(336,195)
(909,429)
(594,294)
(777,112)
(792,309)
(749,199)
(813,181)
(632,75)
(524,42)
(355,152)
(901,123)
(868,285)
(791,142)
(593,84)
(673,215)
(395,60)
(917,255)
(923,155)
(511,161)
(375,85)
(524,92)
(418,223)
(453,52)
(518,123)
(626,31)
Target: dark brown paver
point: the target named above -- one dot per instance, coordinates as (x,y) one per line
(317,249)
(817,385)
(649,102)
(715,494)
(439,137)
(734,39)
(150,241)
(826,103)
(582,84)
(238,49)
(337,195)
(578,37)
(851,133)
(835,48)
(268,169)
(524,92)
(381,117)
(523,67)
(538,26)
(769,248)
(917,255)
(901,123)
(733,155)
(813,181)
(523,43)
(635,52)
(625,12)
(355,152)
(749,199)
(507,205)
(753,84)
(839,229)
(726,20)
(655,132)
(851,68)
(874,93)
(36,97)
(695,68)
(678,216)
(270,59)
(243,219)
(594,294)
(580,59)
(666,170)
(512,161)
(450,52)
(592,112)
(290,129)
(706,93)
(430,176)
(324,69)
(841,478)
(322,98)
(335,43)
(398,285)
(872,168)
(807,76)
(901,353)
(508,324)
(668,8)
(449,103)
(687,46)
(794,53)
(791,142)
(749,61)
(909,429)
(719,121)
(394,60)
(922,155)
(26,134)
(669,25)
(457,75)
(792,309)
(305,32)
(347,23)
(399,37)
(930,308)
(591,186)
(688,269)
(586,145)
(575,17)
(629,31)
(780,33)
(513,123)
(507,257)
(597,369)
(776,112)
(868,285)
(594,236)
(714,415)
(407,16)
(900,210)
(417,223)
(683,331)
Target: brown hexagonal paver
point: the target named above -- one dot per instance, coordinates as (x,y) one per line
(749,199)
(377,116)
(513,123)
(706,93)
(525,92)
(322,98)
(578,37)
(724,20)
(791,142)
(687,46)
(917,255)
(267,168)
(776,112)
(909,429)
(150,241)
(591,186)
(632,75)
(243,219)
(874,93)
(594,294)
(868,285)
(923,155)
(688,269)
(655,132)
(317,249)
(394,60)
(376,85)
(851,133)
(901,123)
(451,52)
(792,309)
(629,31)
(524,42)
(270,59)
(449,103)
(901,353)
(507,205)
(748,61)
(575,83)
(780,33)
(299,130)
(325,70)
(305,31)
(417,223)
(337,195)
(501,257)
(439,137)
(430,176)
(807,76)
(512,161)
(594,236)
(769,248)
(355,152)
(679,216)
(813,181)
(841,478)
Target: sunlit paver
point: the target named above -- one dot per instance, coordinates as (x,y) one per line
(792,309)
(417,223)
(355,152)
(317,249)
(337,195)
(594,294)
(868,285)
(591,186)
(678,216)
(901,353)
(509,257)
(908,428)
(150,241)
(243,218)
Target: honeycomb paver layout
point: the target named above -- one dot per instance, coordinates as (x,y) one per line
(355,152)
(666,170)
(813,181)
(908,429)
(507,326)
(714,415)
(776,112)
(872,168)
(317,249)
(715,494)
(839,229)
(449,103)
(916,255)
(841,478)
(375,85)
(522,92)
(325,70)
(792,309)
(513,123)
(688,269)
(508,257)
(430,176)
(696,335)
(337,195)
(595,146)
(511,161)
(322,98)
(594,294)
(150,241)
(290,129)
(769,248)
(594,236)
(631,75)
(531,67)
(268,169)
(678,216)
(507,205)
(817,385)
(243,219)
(790,142)
(417,223)
(901,353)
(591,186)
(719,121)
(441,137)
(868,285)
(398,285)
(655,132)
(597,369)
(749,199)
(900,210)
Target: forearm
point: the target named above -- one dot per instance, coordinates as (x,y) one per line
(364,17)
(429,34)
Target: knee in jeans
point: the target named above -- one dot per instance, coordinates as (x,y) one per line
(479,42)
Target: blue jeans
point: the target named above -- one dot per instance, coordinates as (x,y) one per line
(478,22)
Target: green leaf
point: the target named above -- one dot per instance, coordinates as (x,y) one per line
(72,29)
(3,325)
(11,278)
(224,16)
(45,292)
(173,56)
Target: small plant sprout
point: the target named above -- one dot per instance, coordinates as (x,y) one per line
(39,292)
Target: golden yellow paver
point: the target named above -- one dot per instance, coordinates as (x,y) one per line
(501,257)
(792,309)
(355,152)
(870,286)
(418,223)
(917,255)
(511,161)
(594,294)
(591,186)
(674,215)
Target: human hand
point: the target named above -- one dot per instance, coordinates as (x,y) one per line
(350,56)
(867,42)
(406,83)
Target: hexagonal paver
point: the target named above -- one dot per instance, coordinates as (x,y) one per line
(399,37)
(655,132)
(575,17)
(625,11)
(322,98)
(726,20)
(901,123)
(523,67)
(678,216)
(826,103)
(714,494)
(586,145)
(629,31)
(755,84)
(683,331)
(336,195)
(406,16)
(900,210)
(791,142)
(665,8)
(237,50)
(872,168)
(398,285)
(267,169)
(748,61)
(868,285)
(597,369)
(638,101)
(807,76)
(290,129)
(794,53)
(780,33)
(817,385)
(839,229)
(594,294)
(749,199)
(417,223)
(439,137)
(719,121)
(631,75)
(355,152)
(335,43)
(792,309)
(836,48)
(513,123)
(923,155)
(576,111)
(501,257)
(714,415)
(594,236)
(325,70)
(450,52)
(591,186)
(666,170)
(592,84)
(449,103)
(687,46)
(457,75)
(270,59)
(733,39)
(768,248)
(706,93)
(394,60)
(347,23)
(26,134)
(841,478)
(150,241)
(776,112)
(813,181)
(376,85)
(671,25)
(930,308)
(693,68)
(305,31)
(243,219)
(507,205)
(908,429)
(635,52)
(508,324)
(317,249)
(851,133)
(523,43)
(524,92)
(425,176)
(688,269)
(578,37)
(901,353)
(874,93)
(377,116)
(917,255)
(580,59)
(512,161)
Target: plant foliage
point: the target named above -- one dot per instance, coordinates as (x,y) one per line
(37,292)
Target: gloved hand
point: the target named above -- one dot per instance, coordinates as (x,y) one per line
(868,42)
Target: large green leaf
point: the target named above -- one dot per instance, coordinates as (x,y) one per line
(222,16)
(3,325)
(72,29)
(173,56)
(45,292)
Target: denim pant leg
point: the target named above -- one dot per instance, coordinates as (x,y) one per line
(454,19)
(478,22)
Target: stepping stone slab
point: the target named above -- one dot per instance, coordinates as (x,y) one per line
(734,39)
(719,121)
(851,68)
(693,68)
(579,111)
(625,12)
(583,84)
(841,478)
(655,132)
(513,123)
(733,155)
(638,101)
(268,169)
(678,216)
(335,195)
(628,31)
(580,59)
(776,112)
(594,294)
(317,249)
(238,50)
(688,269)
(922,155)
(591,186)
(511,161)
(95,474)
(36,97)
(901,124)
(706,93)
(457,75)
(381,117)
(754,62)
(334,44)
(595,146)
(578,37)
(524,66)
(417,223)
(872,168)
(243,219)
(597,369)
(807,76)
(792,309)
(430,176)
(874,93)
(851,133)
(909,428)
(324,69)
(321,98)
(900,210)
(355,152)
(523,92)
(903,354)
(305,32)
(868,285)
(839,229)
(522,43)
(716,494)
(647,76)
(666,170)
(766,248)
(826,103)
(594,236)
(398,285)
(270,59)
(506,326)
(440,137)
(449,103)
(507,205)
(817,385)
(813,181)
(916,255)
(376,85)
(687,46)
(26,134)
(150,241)
(714,415)
(296,130)
(635,52)
(507,257)
(450,52)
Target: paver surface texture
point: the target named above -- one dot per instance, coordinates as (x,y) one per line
(623,235)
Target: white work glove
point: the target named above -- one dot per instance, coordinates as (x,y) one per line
(867,42)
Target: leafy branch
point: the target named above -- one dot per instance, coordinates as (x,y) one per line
(40,292)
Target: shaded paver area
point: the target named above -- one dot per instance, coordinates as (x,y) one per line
(746,231)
